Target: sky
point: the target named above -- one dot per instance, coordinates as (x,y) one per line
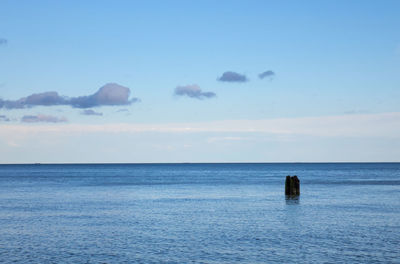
(199,81)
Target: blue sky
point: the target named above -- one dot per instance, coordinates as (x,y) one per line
(334,69)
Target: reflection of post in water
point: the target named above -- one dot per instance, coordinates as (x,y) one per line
(292,187)
(292,199)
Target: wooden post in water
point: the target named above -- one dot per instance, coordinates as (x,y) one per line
(292,186)
(287,185)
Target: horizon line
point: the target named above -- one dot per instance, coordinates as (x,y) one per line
(199,163)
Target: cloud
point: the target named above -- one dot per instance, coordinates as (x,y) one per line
(91,112)
(354,112)
(42,118)
(193,91)
(372,137)
(265,74)
(229,138)
(231,76)
(3,41)
(109,94)
(42,99)
(384,125)
(4,118)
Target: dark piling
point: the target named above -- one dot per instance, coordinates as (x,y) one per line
(292,186)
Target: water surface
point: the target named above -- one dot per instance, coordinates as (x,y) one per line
(199,213)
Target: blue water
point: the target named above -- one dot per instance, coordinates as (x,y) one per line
(199,213)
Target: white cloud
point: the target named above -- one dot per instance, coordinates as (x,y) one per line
(361,125)
(230,138)
(337,138)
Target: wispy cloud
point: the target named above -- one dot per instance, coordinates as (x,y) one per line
(231,76)
(91,112)
(108,95)
(3,41)
(386,125)
(193,91)
(267,74)
(42,118)
(4,118)
(354,112)
(228,138)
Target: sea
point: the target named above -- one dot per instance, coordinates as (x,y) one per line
(199,213)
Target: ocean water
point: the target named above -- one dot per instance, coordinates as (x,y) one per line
(199,213)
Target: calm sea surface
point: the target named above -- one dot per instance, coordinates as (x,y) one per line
(199,213)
